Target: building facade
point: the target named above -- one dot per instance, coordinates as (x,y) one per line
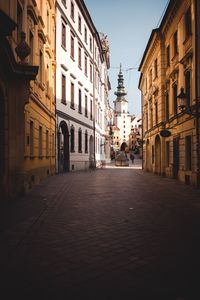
(168,78)
(81,88)
(38,21)
(16,74)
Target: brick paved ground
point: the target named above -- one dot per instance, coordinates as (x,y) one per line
(106,234)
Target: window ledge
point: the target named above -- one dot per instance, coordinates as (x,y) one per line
(64,47)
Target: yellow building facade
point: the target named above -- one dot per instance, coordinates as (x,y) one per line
(27,93)
(39,158)
(169,78)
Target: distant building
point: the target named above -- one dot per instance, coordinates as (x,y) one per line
(135,136)
(169,84)
(122,118)
(82,86)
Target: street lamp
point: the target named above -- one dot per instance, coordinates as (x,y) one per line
(182,104)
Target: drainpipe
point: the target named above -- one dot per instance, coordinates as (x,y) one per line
(197,78)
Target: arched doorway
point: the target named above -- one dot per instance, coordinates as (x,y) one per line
(91,151)
(2,138)
(157,155)
(123,146)
(63,148)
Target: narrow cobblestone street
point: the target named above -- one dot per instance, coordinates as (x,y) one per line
(105,234)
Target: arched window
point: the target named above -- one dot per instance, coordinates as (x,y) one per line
(72,138)
(79,140)
(86,142)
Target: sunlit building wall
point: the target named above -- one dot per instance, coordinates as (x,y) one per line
(168,64)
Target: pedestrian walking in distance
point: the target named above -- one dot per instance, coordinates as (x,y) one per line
(132,158)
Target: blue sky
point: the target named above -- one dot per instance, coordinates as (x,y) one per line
(128,25)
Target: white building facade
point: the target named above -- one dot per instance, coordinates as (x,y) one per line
(81,88)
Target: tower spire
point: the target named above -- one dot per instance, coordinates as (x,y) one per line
(120,93)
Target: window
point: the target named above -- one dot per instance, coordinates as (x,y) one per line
(41,67)
(40,142)
(47,79)
(72,47)
(86,109)
(175,98)
(188,87)
(156,112)
(79,23)
(72,138)
(167,154)
(85,34)
(147,121)
(188,23)
(72,95)
(63,35)
(150,78)
(63,99)
(31,139)
(47,143)
(91,110)
(95,52)
(175,38)
(168,56)
(151,115)
(86,65)
(155,68)
(72,10)
(91,72)
(86,142)
(79,101)
(167,107)
(90,44)
(64,2)
(79,140)
(79,57)
(188,153)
